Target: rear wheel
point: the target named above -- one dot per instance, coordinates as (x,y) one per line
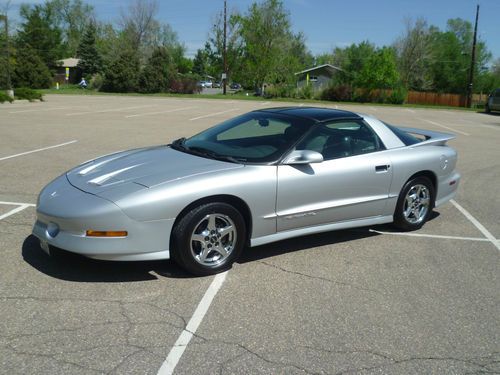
(209,238)
(415,204)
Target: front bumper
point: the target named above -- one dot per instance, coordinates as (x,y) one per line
(65,213)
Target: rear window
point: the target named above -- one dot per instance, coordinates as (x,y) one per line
(405,137)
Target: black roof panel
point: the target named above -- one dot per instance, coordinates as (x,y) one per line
(313,113)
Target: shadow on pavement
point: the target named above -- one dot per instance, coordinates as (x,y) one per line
(73,267)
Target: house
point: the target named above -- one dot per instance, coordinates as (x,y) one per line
(68,71)
(319,76)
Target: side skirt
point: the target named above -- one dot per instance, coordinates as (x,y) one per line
(320,228)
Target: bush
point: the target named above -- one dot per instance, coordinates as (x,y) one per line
(159,70)
(279,91)
(340,93)
(185,85)
(5,98)
(122,74)
(28,94)
(31,71)
(398,96)
(96,81)
(305,92)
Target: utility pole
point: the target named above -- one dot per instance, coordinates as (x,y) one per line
(7,54)
(472,62)
(224,75)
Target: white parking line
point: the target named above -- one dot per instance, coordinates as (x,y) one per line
(18,204)
(491,127)
(478,225)
(37,150)
(157,113)
(13,211)
(430,236)
(168,366)
(444,127)
(409,110)
(213,114)
(109,110)
(39,110)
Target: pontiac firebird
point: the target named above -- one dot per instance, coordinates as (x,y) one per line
(261,177)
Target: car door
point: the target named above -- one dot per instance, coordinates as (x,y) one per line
(496,100)
(351,183)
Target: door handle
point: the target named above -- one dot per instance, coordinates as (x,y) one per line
(382,168)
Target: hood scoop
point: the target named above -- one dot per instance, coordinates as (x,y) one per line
(109,177)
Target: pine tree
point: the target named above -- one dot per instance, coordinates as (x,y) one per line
(122,73)
(158,72)
(90,59)
(30,71)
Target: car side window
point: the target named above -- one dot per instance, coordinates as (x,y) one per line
(341,139)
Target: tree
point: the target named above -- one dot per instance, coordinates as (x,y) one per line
(122,73)
(72,18)
(39,36)
(158,72)
(200,61)
(139,24)
(379,71)
(268,44)
(30,70)
(413,54)
(90,59)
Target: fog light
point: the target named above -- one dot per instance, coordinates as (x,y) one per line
(52,229)
(106,233)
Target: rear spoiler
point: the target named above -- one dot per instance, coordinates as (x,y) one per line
(431,137)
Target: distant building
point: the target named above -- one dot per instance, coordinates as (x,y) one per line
(70,68)
(319,76)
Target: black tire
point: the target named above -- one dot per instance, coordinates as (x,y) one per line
(411,214)
(209,238)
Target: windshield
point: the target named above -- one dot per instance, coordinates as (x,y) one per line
(256,137)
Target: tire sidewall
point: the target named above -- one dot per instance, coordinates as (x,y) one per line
(185,227)
(399,218)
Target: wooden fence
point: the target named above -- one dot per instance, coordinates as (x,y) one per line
(434,98)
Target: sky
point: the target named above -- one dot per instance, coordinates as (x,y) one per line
(326,23)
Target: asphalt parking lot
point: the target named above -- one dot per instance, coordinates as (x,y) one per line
(364,301)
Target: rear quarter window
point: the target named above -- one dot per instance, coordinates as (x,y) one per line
(405,137)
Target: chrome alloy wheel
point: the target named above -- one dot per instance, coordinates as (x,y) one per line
(416,205)
(213,239)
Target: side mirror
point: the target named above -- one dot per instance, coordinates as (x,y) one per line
(303,157)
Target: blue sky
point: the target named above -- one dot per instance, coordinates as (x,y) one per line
(326,23)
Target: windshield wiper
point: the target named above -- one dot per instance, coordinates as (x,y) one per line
(178,144)
(212,154)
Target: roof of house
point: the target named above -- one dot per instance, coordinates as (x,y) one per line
(328,67)
(69,62)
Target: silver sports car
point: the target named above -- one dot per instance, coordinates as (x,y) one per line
(260,177)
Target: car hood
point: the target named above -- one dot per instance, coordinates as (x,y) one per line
(144,168)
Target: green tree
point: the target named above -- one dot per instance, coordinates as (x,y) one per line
(379,71)
(30,70)
(39,36)
(90,59)
(158,72)
(72,18)
(200,61)
(269,47)
(122,73)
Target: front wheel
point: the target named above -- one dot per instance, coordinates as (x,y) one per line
(209,238)
(415,204)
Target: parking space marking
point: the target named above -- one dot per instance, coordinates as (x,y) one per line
(491,127)
(213,114)
(430,236)
(168,366)
(157,113)
(38,150)
(477,224)
(39,110)
(409,110)
(18,204)
(14,211)
(110,110)
(444,127)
